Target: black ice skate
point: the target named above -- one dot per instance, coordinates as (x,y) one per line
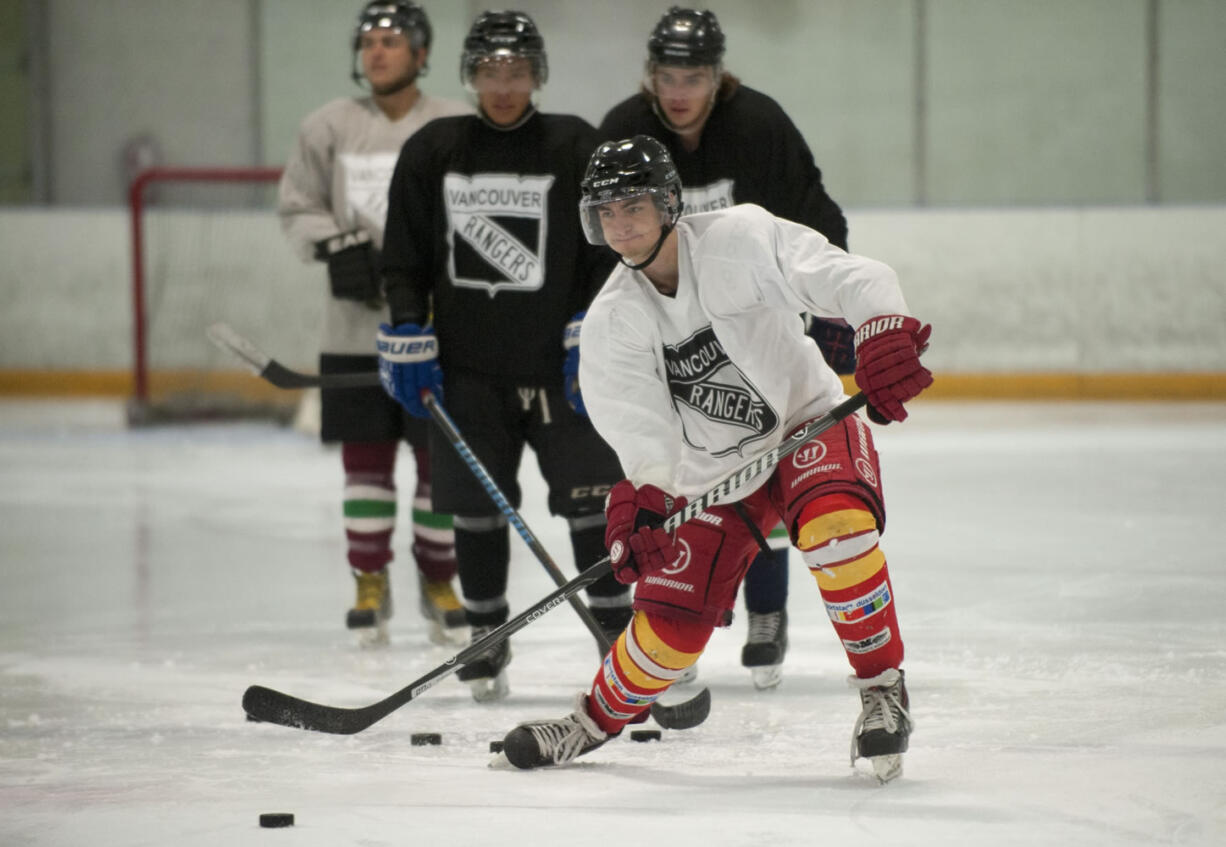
(765,647)
(554,742)
(884,725)
(486,675)
(373,607)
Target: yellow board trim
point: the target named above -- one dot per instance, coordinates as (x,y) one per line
(1189,386)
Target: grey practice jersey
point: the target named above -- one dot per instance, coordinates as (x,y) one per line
(336,180)
(686,389)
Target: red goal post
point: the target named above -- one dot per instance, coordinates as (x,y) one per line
(207,246)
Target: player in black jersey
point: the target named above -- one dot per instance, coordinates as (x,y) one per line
(485,262)
(732,144)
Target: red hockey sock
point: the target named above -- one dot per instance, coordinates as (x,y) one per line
(838,536)
(370,502)
(647,658)
(433,535)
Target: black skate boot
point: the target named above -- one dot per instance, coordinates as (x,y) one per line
(554,742)
(884,726)
(486,675)
(765,647)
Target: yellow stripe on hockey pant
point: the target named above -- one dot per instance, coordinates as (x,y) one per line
(840,524)
(646,659)
(838,577)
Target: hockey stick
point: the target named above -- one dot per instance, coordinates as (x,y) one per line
(685,715)
(267,368)
(271,706)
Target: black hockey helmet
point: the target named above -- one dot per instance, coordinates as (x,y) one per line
(621,170)
(407,18)
(503,35)
(686,38)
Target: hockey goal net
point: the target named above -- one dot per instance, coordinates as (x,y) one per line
(207,247)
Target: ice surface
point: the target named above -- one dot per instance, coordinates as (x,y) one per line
(1060,581)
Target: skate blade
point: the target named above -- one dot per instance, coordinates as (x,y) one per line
(488,690)
(887,768)
(766,677)
(448,636)
(373,637)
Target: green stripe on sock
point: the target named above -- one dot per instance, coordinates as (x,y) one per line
(433,520)
(370,509)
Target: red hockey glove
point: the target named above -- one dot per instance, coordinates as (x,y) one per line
(636,544)
(888,368)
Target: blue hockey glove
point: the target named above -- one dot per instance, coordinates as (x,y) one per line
(408,364)
(570,368)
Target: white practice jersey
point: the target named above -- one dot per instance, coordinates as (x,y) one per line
(336,180)
(688,388)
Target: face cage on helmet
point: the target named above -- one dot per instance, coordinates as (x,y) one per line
(589,209)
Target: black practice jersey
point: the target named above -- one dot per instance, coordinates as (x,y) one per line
(749,152)
(483,233)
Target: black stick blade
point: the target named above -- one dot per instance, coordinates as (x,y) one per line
(685,715)
(264,704)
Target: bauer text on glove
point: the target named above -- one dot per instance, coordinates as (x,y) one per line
(408,365)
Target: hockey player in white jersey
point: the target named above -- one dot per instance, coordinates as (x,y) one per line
(332,204)
(694,359)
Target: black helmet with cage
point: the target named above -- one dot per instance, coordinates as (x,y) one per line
(622,170)
(503,35)
(686,38)
(406,18)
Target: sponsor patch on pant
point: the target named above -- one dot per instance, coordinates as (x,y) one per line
(867,645)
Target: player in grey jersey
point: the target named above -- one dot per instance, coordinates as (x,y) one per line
(332,204)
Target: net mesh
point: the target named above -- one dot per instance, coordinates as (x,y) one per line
(210,249)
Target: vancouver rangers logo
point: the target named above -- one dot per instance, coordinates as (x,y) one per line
(721,412)
(496,229)
(366,178)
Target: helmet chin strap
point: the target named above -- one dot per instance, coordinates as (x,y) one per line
(655,251)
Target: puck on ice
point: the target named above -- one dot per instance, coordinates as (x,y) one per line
(424,739)
(495,746)
(276,819)
(644,735)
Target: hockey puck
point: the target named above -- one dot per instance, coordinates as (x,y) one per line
(425,739)
(644,735)
(272,820)
(495,746)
